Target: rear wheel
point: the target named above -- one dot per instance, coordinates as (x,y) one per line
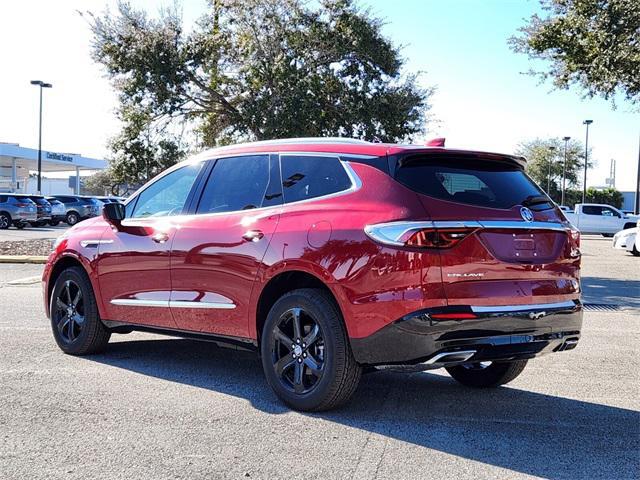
(72,218)
(5,221)
(75,322)
(487,374)
(54,223)
(19,225)
(635,251)
(305,352)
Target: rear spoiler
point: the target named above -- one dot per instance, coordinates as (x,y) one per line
(397,160)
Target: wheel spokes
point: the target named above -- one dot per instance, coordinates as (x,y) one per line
(282,338)
(313,366)
(283,364)
(67,291)
(297,330)
(77,298)
(60,304)
(312,336)
(298,386)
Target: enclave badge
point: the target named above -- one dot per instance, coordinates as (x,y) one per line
(527,215)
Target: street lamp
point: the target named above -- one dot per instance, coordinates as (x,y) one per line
(42,85)
(586,158)
(564,167)
(551,149)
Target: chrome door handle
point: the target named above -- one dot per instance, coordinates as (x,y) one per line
(160,237)
(253,235)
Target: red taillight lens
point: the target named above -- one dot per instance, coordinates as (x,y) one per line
(437,238)
(418,234)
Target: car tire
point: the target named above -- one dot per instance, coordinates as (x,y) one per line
(5,221)
(34,224)
(319,374)
(72,218)
(54,223)
(75,321)
(19,225)
(635,251)
(607,235)
(486,376)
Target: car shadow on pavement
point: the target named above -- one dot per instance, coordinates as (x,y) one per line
(611,291)
(527,432)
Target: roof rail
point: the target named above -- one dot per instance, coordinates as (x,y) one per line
(289,141)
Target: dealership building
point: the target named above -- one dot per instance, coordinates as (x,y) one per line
(16,163)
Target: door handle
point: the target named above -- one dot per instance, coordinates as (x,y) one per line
(253,235)
(160,237)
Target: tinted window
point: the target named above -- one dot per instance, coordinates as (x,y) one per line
(475,182)
(66,199)
(3,198)
(305,177)
(591,210)
(167,195)
(237,183)
(40,201)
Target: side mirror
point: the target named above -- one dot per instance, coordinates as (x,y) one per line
(114,213)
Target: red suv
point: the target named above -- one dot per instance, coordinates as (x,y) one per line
(330,257)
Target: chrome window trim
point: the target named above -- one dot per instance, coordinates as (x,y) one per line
(523,308)
(356,184)
(134,302)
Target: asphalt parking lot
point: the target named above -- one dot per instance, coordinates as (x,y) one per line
(156,407)
(32,233)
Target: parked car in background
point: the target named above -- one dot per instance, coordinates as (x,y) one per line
(111,199)
(328,257)
(77,208)
(16,210)
(628,239)
(44,210)
(58,211)
(99,204)
(600,219)
(564,208)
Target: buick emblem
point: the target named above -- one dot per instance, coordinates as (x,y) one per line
(527,215)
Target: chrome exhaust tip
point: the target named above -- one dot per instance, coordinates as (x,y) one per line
(451,357)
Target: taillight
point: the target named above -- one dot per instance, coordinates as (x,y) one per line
(418,234)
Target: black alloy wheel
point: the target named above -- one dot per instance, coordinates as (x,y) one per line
(298,350)
(75,321)
(305,350)
(68,313)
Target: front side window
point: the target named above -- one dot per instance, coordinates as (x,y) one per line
(237,183)
(305,177)
(166,196)
(591,210)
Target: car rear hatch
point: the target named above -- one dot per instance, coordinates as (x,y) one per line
(501,240)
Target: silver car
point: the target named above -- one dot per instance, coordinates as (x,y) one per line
(16,210)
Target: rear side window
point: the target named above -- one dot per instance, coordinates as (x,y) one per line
(482,183)
(237,183)
(3,198)
(305,177)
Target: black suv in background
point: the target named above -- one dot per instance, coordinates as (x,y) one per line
(78,208)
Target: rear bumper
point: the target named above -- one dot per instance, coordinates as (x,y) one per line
(496,333)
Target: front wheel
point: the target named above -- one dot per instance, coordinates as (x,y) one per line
(305,351)
(54,223)
(487,374)
(635,251)
(75,322)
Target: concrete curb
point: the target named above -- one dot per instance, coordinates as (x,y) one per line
(23,259)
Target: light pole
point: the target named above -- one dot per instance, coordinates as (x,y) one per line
(586,158)
(552,150)
(42,85)
(564,167)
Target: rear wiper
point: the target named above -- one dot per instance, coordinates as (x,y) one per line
(535,200)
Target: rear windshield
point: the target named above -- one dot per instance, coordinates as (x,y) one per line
(476,182)
(40,201)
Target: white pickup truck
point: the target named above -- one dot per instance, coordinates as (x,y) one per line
(598,218)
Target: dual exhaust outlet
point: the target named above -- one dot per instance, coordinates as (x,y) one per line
(437,361)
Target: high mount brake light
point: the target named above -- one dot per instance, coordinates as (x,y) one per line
(417,234)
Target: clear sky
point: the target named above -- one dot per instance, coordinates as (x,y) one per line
(482,99)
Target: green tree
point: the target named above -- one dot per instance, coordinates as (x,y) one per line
(548,154)
(592,43)
(252,70)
